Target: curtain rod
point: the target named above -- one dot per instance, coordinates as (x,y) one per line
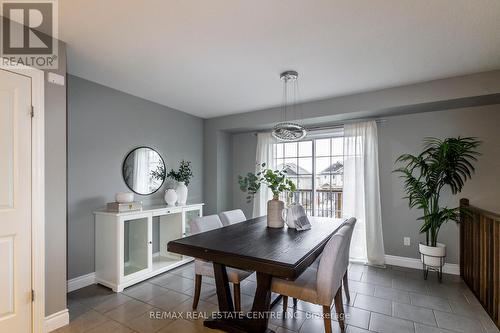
(334,125)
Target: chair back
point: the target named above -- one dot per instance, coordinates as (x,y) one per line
(204,223)
(332,265)
(232,217)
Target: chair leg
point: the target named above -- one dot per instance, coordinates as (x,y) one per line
(197,291)
(339,309)
(285,303)
(294,302)
(346,288)
(327,319)
(237,297)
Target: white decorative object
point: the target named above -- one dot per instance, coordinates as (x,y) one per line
(432,256)
(124,197)
(118,266)
(274,213)
(296,218)
(292,214)
(182,193)
(170,197)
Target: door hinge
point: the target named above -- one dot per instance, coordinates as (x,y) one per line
(32,113)
(32,295)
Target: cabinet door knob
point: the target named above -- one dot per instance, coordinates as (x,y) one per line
(150,242)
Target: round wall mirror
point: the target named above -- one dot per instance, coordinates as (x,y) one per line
(144,170)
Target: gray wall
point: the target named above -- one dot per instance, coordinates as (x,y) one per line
(55,191)
(103,125)
(244,150)
(404,134)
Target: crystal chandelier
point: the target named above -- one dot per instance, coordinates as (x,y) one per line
(285,130)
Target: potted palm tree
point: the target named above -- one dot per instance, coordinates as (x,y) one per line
(443,164)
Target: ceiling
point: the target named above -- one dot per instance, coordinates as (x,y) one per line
(217,57)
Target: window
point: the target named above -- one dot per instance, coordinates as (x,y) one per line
(316,166)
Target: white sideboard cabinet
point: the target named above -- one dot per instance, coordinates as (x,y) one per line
(132,247)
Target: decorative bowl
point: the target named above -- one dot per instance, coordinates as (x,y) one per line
(124,197)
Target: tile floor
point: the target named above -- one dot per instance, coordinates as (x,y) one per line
(382,300)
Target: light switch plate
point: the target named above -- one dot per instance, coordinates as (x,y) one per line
(406,241)
(55,78)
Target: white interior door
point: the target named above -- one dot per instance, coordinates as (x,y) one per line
(15,202)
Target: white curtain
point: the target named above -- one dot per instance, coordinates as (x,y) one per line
(141,171)
(362,191)
(265,154)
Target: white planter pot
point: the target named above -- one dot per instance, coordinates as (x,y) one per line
(432,256)
(182,193)
(170,197)
(124,197)
(274,214)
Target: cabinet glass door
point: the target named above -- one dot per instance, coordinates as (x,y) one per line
(189,215)
(136,246)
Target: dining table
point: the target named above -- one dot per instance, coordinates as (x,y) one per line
(251,245)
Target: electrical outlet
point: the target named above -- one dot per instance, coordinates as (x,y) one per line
(406,241)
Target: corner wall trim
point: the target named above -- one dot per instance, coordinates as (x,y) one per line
(56,320)
(81,281)
(416,263)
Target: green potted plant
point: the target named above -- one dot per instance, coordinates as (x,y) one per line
(182,177)
(277,182)
(443,164)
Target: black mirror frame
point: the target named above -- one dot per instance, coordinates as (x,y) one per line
(123,170)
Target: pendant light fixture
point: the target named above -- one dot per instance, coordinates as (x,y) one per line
(286,130)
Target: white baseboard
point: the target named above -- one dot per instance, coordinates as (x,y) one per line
(416,263)
(81,281)
(56,320)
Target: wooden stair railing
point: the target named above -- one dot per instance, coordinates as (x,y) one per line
(480,256)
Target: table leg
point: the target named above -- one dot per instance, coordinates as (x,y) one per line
(261,304)
(223,291)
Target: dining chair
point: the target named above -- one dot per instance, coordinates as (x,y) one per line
(323,285)
(350,223)
(205,268)
(232,217)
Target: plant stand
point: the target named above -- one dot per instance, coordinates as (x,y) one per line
(426,268)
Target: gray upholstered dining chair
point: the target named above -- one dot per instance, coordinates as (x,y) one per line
(232,216)
(323,285)
(205,268)
(351,223)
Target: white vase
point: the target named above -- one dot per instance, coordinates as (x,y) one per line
(275,213)
(170,197)
(432,255)
(182,193)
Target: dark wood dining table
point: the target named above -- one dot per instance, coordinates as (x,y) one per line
(251,245)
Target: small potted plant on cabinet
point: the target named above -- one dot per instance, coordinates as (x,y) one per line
(443,164)
(182,177)
(277,182)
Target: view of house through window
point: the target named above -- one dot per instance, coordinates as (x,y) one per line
(316,165)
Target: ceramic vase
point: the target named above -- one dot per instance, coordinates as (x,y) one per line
(182,193)
(274,213)
(170,197)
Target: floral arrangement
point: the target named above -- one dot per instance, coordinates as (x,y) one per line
(184,174)
(275,180)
